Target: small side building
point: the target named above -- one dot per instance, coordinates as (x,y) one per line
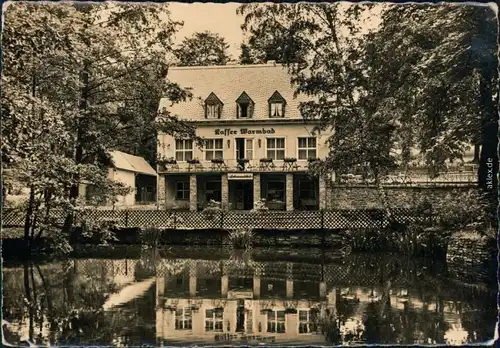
(132,171)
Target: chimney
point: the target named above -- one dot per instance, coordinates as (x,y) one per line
(271,62)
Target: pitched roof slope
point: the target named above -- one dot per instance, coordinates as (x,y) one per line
(228,82)
(125,161)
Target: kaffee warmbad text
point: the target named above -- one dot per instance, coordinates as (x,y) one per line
(243,131)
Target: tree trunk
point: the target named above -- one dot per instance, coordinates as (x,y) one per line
(28,219)
(80,139)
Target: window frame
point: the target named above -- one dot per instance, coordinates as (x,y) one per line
(213,101)
(183,190)
(183,319)
(275,321)
(283,196)
(214,320)
(276,149)
(276,98)
(183,150)
(213,150)
(244,99)
(307,149)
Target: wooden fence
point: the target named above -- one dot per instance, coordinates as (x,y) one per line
(189,220)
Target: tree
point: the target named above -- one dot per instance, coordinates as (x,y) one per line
(413,82)
(80,80)
(203,48)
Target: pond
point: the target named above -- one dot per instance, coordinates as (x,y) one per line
(214,296)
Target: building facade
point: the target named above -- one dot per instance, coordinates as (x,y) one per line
(256,147)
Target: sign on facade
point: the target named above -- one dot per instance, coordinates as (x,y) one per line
(240,176)
(244,131)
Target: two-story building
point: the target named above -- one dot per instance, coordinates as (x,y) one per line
(256,149)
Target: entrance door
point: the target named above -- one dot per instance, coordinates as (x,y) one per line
(243,195)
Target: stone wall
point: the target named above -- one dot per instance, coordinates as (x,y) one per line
(365,197)
(471,257)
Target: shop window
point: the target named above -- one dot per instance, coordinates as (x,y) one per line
(213,107)
(214,319)
(213,191)
(213,149)
(182,191)
(183,149)
(276,105)
(276,191)
(244,107)
(307,189)
(307,148)
(276,148)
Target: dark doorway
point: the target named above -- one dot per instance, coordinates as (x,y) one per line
(145,189)
(240,316)
(243,194)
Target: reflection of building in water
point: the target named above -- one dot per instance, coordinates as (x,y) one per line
(239,305)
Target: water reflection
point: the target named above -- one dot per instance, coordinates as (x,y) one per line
(252,299)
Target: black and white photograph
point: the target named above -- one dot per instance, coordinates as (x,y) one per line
(249,174)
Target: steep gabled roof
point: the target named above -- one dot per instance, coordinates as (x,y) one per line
(244,98)
(277,98)
(125,161)
(259,81)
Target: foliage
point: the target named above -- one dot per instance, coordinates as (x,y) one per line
(150,236)
(212,210)
(110,62)
(260,206)
(100,232)
(203,48)
(423,79)
(241,238)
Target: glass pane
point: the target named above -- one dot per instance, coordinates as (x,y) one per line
(280,143)
(209,325)
(218,154)
(218,326)
(312,153)
(189,144)
(270,154)
(302,315)
(249,144)
(269,327)
(218,144)
(270,315)
(179,144)
(209,312)
(303,154)
(179,156)
(281,315)
(249,154)
(280,154)
(189,155)
(270,143)
(178,311)
(209,144)
(302,142)
(219,312)
(210,155)
(311,142)
(281,327)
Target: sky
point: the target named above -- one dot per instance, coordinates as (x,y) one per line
(217,18)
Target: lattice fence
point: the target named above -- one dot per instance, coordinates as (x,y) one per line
(187,220)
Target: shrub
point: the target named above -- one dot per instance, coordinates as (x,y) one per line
(99,232)
(241,238)
(260,205)
(212,210)
(149,236)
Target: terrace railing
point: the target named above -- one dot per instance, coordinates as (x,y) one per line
(189,220)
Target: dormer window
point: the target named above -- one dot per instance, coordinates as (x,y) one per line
(244,107)
(276,105)
(213,106)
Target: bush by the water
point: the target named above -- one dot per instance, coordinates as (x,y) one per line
(241,238)
(150,236)
(100,232)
